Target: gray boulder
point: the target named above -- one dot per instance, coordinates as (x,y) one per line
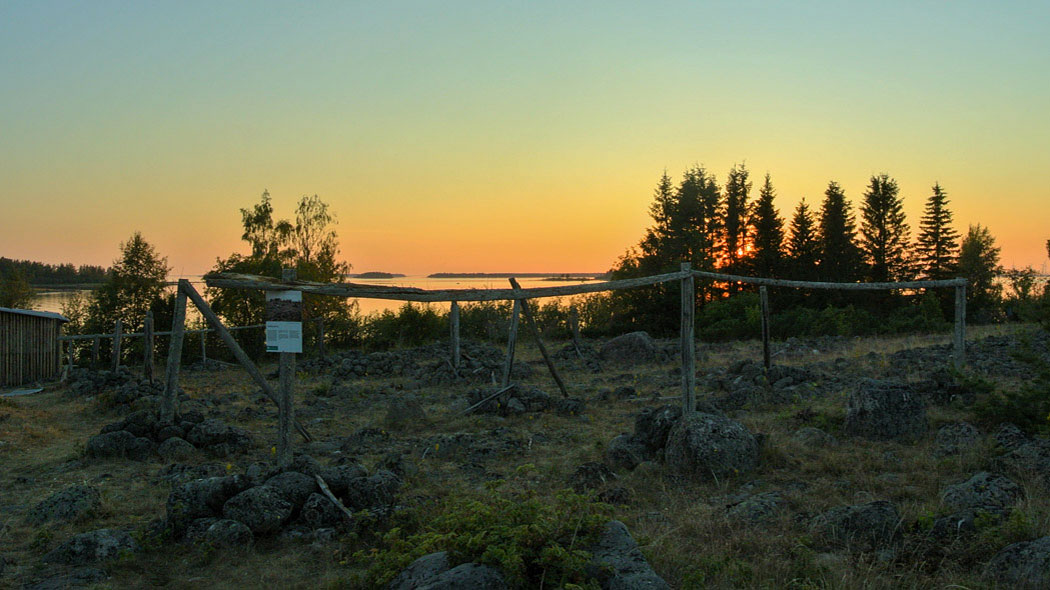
(757,509)
(985,491)
(78,577)
(219,532)
(1025,566)
(814,437)
(338,477)
(1030,458)
(862,526)
(261,508)
(468,576)
(635,347)
(652,426)
(1009,436)
(293,486)
(201,498)
(625,452)
(404,410)
(76,501)
(219,438)
(883,410)
(955,438)
(175,449)
(618,564)
(374,491)
(706,445)
(92,547)
(420,570)
(319,512)
(119,445)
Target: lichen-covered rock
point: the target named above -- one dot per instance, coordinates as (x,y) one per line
(1009,436)
(404,410)
(319,512)
(590,476)
(625,452)
(420,570)
(261,508)
(92,547)
(76,578)
(220,532)
(652,425)
(990,492)
(883,410)
(757,509)
(1025,566)
(467,576)
(709,446)
(618,564)
(338,477)
(175,449)
(119,445)
(862,526)
(1030,458)
(293,486)
(955,438)
(814,437)
(219,438)
(374,491)
(634,347)
(76,501)
(201,498)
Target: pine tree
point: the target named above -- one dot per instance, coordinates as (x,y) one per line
(938,241)
(734,218)
(839,255)
(803,247)
(768,255)
(884,232)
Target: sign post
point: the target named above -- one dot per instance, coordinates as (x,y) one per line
(284,335)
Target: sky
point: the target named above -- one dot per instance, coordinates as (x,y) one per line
(502,136)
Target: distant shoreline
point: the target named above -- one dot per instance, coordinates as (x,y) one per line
(375,275)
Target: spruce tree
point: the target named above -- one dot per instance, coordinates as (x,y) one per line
(979,264)
(734,218)
(938,241)
(767,257)
(803,247)
(884,232)
(839,255)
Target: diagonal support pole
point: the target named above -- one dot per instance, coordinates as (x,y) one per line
(526,310)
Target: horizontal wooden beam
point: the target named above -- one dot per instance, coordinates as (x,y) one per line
(357,290)
(826,285)
(140,334)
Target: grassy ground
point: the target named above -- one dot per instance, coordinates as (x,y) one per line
(681,526)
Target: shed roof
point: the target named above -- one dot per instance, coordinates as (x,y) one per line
(39,314)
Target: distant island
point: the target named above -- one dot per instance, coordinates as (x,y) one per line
(376,275)
(582,276)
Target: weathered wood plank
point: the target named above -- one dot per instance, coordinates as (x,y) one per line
(117,329)
(512,341)
(826,285)
(959,339)
(453,326)
(530,321)
(687,341)
(171,379)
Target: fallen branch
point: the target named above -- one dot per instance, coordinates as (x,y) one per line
(328,493)
(503,390)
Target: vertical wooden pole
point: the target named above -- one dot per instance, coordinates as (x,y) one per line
(69,352)
(763,297)
(530,321)
(453,325)
(147,346)
(285,407)
(171,376)
(688,344)
(320,337)
(95,342)
(512,340)
(204,348)
(117,331)
(959,352)
(574,328)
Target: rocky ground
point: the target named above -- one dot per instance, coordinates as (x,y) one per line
(850,464)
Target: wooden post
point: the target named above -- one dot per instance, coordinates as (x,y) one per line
(69,352)
(235,348)
(763,297)
(116,345)
(285,408)
(320,337)
(147,346)
(171,376)
(959,352)
(512,340)
(687,344)
(453,325)
(94,352)
(204,348)
(530,321)
(574,328)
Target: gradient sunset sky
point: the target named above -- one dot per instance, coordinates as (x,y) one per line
(503,136)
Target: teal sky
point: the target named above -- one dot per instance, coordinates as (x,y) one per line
(502,136)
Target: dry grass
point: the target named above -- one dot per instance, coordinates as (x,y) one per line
(682,525)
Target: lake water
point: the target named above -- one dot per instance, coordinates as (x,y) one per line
(54,300)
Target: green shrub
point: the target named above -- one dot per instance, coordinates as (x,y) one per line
(527,537)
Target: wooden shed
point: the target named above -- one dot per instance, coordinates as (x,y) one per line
(29,346)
